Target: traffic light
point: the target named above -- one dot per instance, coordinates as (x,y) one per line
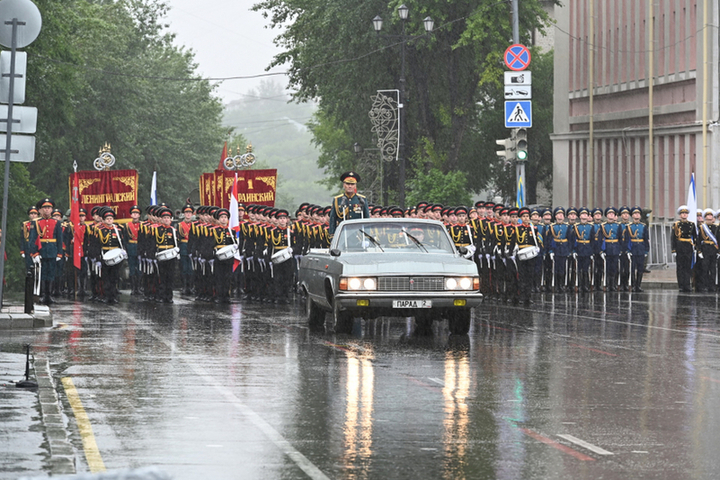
(521,144)
(508,152)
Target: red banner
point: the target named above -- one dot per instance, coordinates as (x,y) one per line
(116,189)
(254,186)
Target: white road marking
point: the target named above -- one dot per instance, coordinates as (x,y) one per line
(275,437)
(584,444)
(639,451)
(436,380)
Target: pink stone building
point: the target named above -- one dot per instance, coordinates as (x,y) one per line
(624,135)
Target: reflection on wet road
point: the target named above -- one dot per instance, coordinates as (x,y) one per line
(605,386)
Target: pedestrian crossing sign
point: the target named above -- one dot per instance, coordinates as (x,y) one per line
(518,113)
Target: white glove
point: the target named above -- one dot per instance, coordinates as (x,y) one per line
(602,254)
(700,255)
(58,259)
(22,255)
(552,256)
(36,260)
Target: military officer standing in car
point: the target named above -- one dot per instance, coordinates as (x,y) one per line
(350,205)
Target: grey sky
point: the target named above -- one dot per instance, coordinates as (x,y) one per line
(229,40)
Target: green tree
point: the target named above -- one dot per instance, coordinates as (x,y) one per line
(335,57)
(108,72)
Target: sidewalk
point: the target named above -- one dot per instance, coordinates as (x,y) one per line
(13,316)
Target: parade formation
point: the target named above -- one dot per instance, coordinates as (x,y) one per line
(517,251)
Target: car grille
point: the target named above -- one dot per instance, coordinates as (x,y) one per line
(410,284)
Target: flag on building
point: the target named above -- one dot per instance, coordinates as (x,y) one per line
(519,203)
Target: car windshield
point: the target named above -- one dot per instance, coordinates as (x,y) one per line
(393,237)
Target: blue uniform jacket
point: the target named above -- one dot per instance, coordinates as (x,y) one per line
(636,239)
(612,235)
(598,239)
(560,238)
(583,239)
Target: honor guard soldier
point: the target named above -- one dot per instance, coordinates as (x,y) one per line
(510,256)
(707,246)
(682,244)
(527,239)
(583,249)
(560,239)
(546,285)
(624,253)
(461,232)
(27,226)
(57,286)
(79,234)
(44,246)
(637,241)
(165,241)
(110,238)
(183,234)
(132,230)
(350,205)
(611,238)
(597,270)
(93,252)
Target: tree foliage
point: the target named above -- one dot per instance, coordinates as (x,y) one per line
(108,72)
(334,56)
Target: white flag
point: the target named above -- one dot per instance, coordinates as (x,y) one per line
(234,217)
(692,201)
(153,190)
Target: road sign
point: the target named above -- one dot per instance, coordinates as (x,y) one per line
(517,57)
(518,113)
(26,12)
(20,75)
(518,93)
(518,78)
(24,119)
(21,150)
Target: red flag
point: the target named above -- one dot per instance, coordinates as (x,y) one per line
(223,157)
(78,235)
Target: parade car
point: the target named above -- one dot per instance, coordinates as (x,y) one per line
(390,267)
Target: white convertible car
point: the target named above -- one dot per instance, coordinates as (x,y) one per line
(392,267)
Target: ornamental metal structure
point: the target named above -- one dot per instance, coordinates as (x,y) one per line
(428,23)
(240,161)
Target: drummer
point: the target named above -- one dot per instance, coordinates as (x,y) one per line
(109,236)
(223,237)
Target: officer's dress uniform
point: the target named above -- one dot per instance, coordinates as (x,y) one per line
(583,247)
(560,237)
(547,261)
(598,270)
(707,250)
(637,241)
(682,244)
(347,208)
(612,236)
(45,243)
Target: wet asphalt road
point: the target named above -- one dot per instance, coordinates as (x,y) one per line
(607,386)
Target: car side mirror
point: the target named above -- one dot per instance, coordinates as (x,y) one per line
(335,252)
(462,250)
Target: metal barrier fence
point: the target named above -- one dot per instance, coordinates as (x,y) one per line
(660,252)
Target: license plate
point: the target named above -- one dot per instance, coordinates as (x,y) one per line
(412,303)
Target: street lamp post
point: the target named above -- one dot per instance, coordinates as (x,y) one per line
(403,12)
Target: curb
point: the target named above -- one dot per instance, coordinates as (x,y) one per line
(62,455)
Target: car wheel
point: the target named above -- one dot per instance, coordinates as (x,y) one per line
(314,314)
(459,321)
(342,320)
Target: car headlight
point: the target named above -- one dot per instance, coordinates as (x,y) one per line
(355,284)
(462,283)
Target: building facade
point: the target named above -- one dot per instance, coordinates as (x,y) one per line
(636,103)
